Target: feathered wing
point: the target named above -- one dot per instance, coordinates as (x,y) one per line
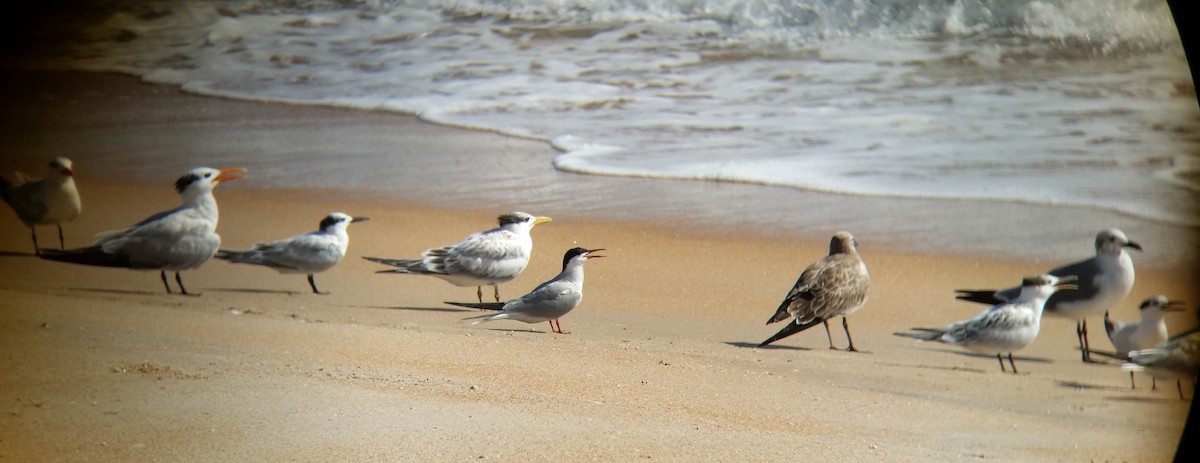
(312,252)
(28,199)
(185,241)
(496,255)
(799,294)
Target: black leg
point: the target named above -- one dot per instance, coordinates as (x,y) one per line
(827,335)
(33,232)
(1010,362)
(846,327)
(313,284)
(1153,383)
(179,279)
(1001,360)
(1132,384)
(497,290)
(61,243)
(1079,334)
(165,284)
(479,293)
(1087,347)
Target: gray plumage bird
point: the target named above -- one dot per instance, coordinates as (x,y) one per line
(183,238)
(1004,328)
(1178,357)
(1104,281)
(52,200)
(834,286)
(308,253)
(549,301)
(489,257)
(1145,333)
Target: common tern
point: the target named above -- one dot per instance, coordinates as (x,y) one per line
(1145,333)
(1004,328)
(182,238)
(549,301)
(1104,281)
(309,253)
(489,257)
(835,285)
(52,200)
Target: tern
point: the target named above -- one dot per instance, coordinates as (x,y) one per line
(489,257)
(1005,327)
(182,238)
(309,253)
(1104,281)
(1143,334)
(834,286)
(52,200)
(549,301)
(1178,357)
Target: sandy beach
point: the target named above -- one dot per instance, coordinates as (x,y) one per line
(657,364)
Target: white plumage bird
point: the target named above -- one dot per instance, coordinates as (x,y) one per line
(52,200)
(549,301)
(1103,280)
(308,253)
(1145,333)
(489,257)
(1004,328)
(183,238)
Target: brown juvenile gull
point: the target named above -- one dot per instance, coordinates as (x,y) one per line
(834,286)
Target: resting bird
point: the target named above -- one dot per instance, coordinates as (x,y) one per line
(834,286)
(1004,328)
(1178,357)
(549,301)
(1143,334)
(309,253)
(183,238)
(1104,281)
(489,257)
(52,200)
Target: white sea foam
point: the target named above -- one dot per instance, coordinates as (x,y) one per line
(1083,103)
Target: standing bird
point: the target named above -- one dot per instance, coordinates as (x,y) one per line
(47,201)
(485,258)
(1003,328)
(310,253)
(1143,334)
(182,238)
(549,301)
(1104,281)
(1178,357)
(835,285)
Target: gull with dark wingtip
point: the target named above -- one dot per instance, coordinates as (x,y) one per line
(1004,328)
(1104,281)
(489,257)
(834,286)
(549,301)
(183,238)
(308,253)
(52,200)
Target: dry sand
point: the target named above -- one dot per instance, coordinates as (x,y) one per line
(658,363)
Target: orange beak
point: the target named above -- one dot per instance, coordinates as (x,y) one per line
(232,173)
(590,251)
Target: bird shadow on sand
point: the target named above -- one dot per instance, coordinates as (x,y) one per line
(128,292)
(516,330)
(256,291)
(754,345)
(418,309)
(991,357)
(1144,399)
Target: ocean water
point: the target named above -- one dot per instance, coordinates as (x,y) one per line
(1084,103)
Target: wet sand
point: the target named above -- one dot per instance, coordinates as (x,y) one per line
(658,362)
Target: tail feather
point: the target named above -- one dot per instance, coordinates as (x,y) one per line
(480,305)
(982,296)
(792,328)
(409,266)
(4,186)
(92,255)
(924,334)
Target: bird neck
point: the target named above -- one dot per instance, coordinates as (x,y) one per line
(203,202)
(572,273)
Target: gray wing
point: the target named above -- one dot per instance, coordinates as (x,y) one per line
(489,255)
(549,301)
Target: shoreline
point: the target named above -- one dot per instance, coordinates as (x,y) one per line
(658,361)
(291,148)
